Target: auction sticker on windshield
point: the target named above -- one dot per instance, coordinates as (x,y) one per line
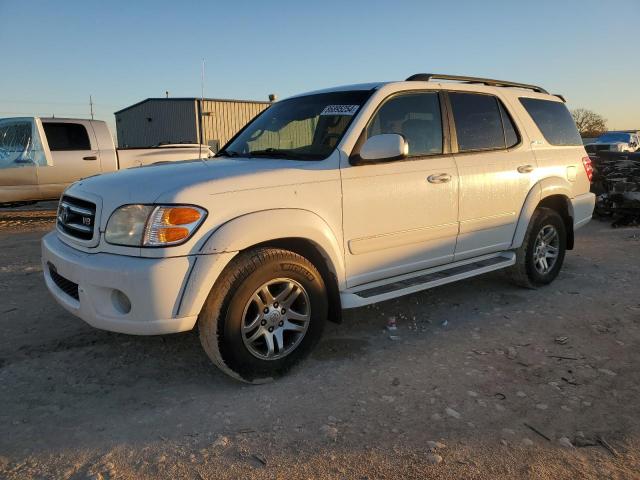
(339,110)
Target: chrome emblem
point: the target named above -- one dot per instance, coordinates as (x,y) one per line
(64,214)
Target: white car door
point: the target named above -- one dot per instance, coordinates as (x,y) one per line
(74,153)
(402,216)
(496,171)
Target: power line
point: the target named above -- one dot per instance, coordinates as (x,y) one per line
(47,114)
(47,102)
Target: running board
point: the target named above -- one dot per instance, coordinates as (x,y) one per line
(424,279)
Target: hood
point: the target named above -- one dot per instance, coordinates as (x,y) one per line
(146,184)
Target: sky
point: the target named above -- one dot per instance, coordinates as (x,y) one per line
(55,54)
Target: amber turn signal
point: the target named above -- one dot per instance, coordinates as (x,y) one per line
(180,216)
(172,224)
(172,234)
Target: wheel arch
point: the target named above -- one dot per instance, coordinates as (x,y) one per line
(554,193)
(313,253)
(297,230)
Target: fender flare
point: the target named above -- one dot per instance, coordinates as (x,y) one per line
(541,190)
(251,229)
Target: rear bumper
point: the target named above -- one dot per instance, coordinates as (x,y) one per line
(582,209)
(153,288)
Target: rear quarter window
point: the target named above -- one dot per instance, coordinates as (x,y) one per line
(554,121)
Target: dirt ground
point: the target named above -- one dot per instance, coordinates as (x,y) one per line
(485,380)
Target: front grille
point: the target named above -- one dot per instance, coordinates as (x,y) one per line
(76,217)
(67,286)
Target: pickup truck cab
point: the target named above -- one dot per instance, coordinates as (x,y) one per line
(327,200)
(40,157)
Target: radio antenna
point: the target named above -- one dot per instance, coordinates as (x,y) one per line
(201,112)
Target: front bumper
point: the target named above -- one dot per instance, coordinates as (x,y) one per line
(154,288)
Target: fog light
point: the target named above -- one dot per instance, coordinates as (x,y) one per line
(120,302)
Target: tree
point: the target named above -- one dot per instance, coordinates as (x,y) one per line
(589,123)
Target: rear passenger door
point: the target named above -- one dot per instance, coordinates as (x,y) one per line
(74,154)
(496,172)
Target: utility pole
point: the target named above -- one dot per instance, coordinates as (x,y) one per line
(201,111)
(91,106)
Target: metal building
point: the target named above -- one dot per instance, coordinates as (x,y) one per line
(157,121)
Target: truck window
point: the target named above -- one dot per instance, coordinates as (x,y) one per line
(66,136)
(416,117)
(554,121)
(20,144)
(479,122)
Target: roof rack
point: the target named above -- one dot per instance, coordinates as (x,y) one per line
(425,77)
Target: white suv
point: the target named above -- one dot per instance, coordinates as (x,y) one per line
(327,200)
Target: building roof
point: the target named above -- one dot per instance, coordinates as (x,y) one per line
(191,99)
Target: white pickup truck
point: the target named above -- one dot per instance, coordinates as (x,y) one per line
(40,157)
(327,200)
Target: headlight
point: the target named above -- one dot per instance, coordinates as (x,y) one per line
(153,225)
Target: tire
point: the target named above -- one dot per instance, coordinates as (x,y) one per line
(229,334)
(528,270)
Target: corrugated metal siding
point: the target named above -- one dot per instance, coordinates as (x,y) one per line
(222,120)
(171,122)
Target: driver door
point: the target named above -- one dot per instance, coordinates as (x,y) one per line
(402,216)
(21,152)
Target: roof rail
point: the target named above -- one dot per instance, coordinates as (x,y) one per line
(425,77)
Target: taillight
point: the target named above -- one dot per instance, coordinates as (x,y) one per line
(588,168)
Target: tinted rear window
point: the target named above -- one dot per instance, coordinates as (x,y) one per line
(66,136)
(554,121)
(478,121)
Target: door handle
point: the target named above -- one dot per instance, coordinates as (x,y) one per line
(90,157)
(439,178)
(525,168)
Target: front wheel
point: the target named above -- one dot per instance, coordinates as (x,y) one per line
(264,314)
(540,257)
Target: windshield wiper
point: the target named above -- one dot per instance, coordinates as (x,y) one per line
(227,153)
(272,152)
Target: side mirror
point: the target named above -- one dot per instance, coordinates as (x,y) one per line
(383,148)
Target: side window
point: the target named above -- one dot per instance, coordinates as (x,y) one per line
(511,137)
(66,136)
(416,116)
(478,121)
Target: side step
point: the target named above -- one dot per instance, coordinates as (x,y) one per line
(424,279)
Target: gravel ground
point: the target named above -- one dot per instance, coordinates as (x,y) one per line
(484,380)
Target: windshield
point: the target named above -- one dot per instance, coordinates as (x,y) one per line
(300,128)
(20,144)
(614,137)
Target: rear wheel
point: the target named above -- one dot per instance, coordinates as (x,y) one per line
(540,257)
(264,314)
